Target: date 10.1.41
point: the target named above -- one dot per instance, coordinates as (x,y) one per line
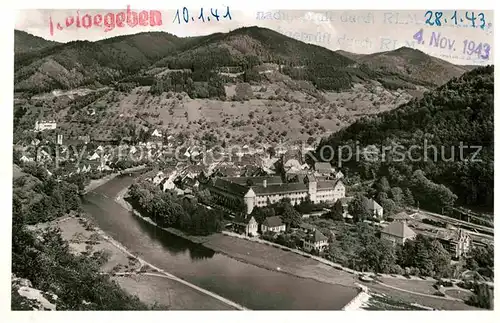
(212,14)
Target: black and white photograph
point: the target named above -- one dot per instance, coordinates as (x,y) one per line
(219,158)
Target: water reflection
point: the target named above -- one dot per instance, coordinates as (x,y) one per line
(246,284)
(174,244)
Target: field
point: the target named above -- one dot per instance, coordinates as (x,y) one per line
(407,294)
(414,285)
(139,279)
(271,258)
(296,111)
(405,297)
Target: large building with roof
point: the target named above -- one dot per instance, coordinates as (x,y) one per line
(250,192)
(397,232)
(315,241)
(273,224)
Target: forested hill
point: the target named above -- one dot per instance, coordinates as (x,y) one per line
(459,111)
(24,42)
(85,63)
(411,63)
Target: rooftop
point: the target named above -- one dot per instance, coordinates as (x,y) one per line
(317,236)
(273,221)
(399,229)
(325,168)
(371,204)
(256,180)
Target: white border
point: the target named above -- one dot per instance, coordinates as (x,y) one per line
(6,97)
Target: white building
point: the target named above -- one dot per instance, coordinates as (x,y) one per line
(94,156)
(260,191)
(45,125)
(316,241)
(397,232)
(248,226)
(273,224)
(156,133)
(375,209)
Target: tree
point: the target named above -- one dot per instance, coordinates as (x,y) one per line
(433,196)
(441,260)
(291,217)
(389,206)
(382,185)
(358,208)
(261,213)
(483,296)
(408,197)
(481,259)
(243,91)
(397,195)
(337,212)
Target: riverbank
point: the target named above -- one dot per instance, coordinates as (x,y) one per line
(261,255)
(152,285)
(277,258)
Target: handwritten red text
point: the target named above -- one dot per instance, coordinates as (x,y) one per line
(110,20)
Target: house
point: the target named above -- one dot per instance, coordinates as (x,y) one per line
(315,241)
(374,208)
(45,125)
(156,133)
(291,159)
(43,156)
(167,184)
(247,226)
(25,159)
(306,227)
(457,242)
(397,232)
(323,169)
(273,224)
(94,156)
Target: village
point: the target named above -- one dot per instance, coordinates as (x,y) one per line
(241,181)
(276,195)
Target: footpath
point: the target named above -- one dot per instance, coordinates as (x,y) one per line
(323,260)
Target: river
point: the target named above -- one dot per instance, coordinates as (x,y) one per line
(251,286)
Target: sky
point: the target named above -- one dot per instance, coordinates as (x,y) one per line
(357,31)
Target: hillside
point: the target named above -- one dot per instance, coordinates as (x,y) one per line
(81,63)
(411,63)
(24,42)
(236,83)
(249,47)
(354,56)
(84,63)
(459,111)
